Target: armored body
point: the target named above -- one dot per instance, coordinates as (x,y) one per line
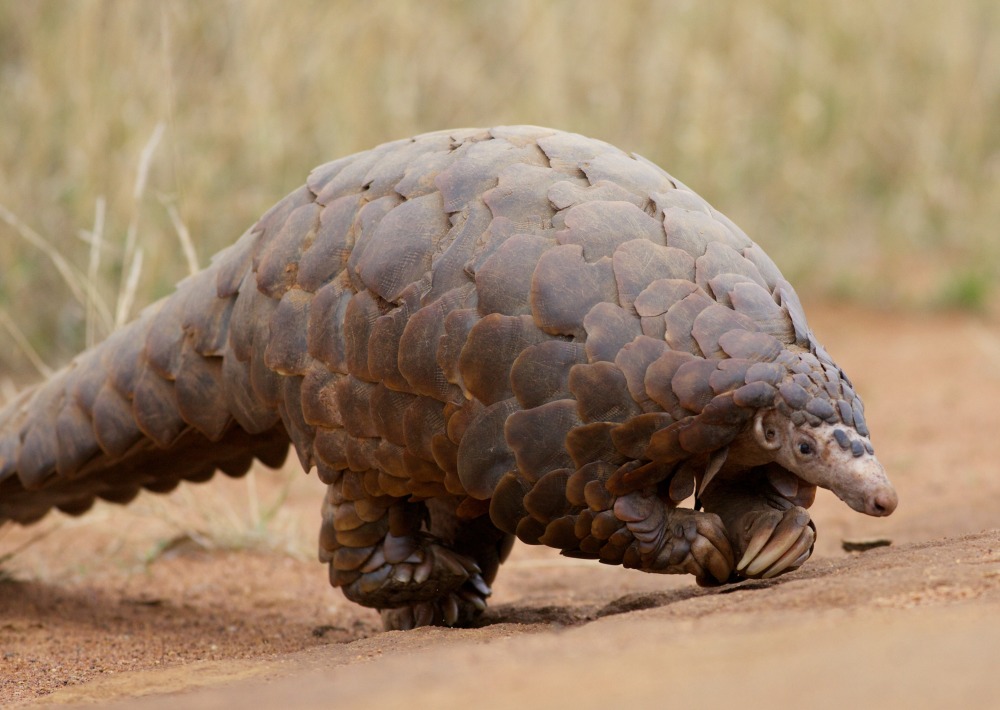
(473,336)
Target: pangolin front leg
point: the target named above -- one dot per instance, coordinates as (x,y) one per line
(579,515)
(767,522)
(674,540)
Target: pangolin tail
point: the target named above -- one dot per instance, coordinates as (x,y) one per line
(175,395)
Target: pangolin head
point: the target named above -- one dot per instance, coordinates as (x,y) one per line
(817,430)
(831,456)
(792,411)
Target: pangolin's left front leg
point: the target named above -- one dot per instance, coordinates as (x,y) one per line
(766,519)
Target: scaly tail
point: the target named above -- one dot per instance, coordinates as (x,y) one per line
(176,395)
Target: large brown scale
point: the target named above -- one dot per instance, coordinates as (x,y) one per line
(474,335)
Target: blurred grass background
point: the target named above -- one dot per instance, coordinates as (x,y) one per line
(858,143)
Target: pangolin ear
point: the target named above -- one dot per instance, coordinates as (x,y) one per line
(766,430)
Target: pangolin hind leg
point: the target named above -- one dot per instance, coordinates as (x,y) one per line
(418,563)
(476,540)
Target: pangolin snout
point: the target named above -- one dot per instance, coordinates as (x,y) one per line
(868,488)
(882,502)
(859,481)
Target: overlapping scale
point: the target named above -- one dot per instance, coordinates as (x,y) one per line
(600,228)
(609,328)
(491,347)
(540,373)
(564,287)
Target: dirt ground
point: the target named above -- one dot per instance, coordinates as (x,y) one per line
(210,598)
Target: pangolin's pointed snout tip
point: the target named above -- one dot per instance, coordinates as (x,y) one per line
(878,496)
(882,502)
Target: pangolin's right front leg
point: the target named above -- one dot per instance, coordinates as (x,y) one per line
(674,540)
(578,514)
(637,530)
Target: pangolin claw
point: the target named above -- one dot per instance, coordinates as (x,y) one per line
(778,542)
(439,572)
(716,562)
(459,607)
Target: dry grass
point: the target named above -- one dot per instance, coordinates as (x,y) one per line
(858,142)
(260,513)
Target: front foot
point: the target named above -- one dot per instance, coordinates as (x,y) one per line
(675,540)
(772,542)
(770,533)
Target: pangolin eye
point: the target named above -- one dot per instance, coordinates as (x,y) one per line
(805,449)
(770,434)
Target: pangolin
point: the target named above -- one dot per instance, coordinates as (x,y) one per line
(475,335)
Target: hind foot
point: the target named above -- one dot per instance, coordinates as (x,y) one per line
(416,581)
(458,608)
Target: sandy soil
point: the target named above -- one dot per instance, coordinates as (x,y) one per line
(210,597)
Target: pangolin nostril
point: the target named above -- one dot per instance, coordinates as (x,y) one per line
(884,503)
